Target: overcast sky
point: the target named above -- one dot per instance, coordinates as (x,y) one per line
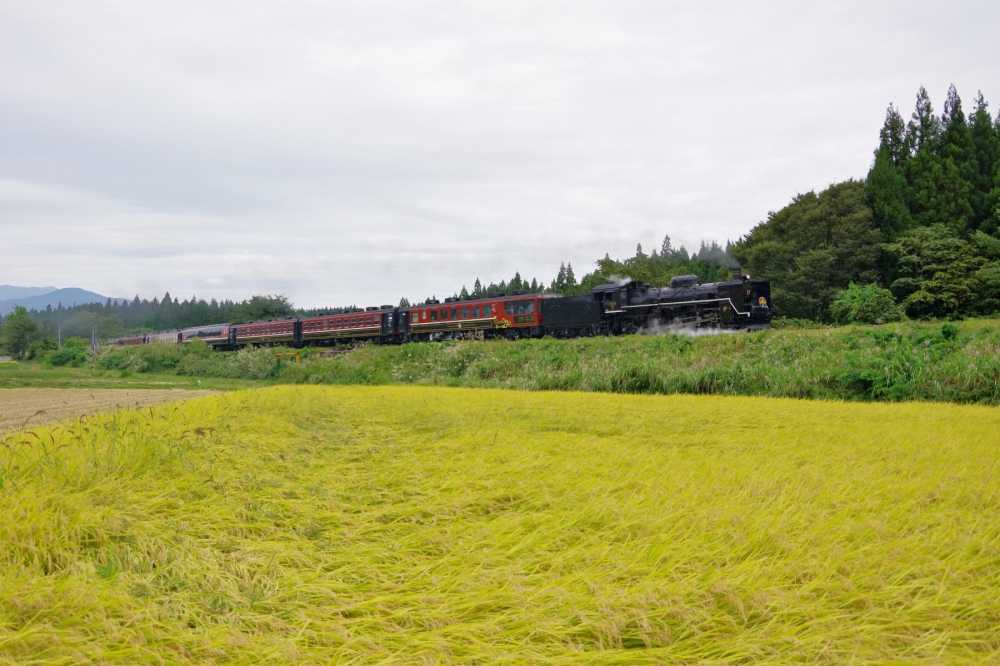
(344,152)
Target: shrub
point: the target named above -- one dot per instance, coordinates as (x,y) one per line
(869,304)
(73,353)
(39,349)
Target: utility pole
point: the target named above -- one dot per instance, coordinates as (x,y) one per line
(59,337)
(93,337)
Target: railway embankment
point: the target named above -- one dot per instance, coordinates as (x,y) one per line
(950,362)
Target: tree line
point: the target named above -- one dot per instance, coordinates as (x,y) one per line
(920,233)
(710,262)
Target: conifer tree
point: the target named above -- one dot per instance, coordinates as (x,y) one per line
(886,187)
(559,284)
(958,167)
(986,148)
(923,171)
(666,249)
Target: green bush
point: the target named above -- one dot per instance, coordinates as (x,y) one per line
(39,349)
(73,353)
(869,304)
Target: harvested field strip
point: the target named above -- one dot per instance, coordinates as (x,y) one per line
(433,525)
(21,407)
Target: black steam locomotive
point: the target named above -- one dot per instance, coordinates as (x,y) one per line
(631,307)
(623,307)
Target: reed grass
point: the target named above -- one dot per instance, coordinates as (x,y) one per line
(401,524)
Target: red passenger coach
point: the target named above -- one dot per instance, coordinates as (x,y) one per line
(165,336)
(515,316)
(360,324)
(215,335)
(270,332)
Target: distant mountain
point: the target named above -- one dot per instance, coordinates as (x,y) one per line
(68,298)
(8,291)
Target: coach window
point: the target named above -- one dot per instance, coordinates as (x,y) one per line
(465,313)
(378,319)
(434,315)
(368,320)
(519,307)
(487,310)
(444,313)
(475,313)
(454,313)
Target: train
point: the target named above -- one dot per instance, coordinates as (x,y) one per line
(618,308)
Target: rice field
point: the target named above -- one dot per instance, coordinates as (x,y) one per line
(400,524)
(23,407)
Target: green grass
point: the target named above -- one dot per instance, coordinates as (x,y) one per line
(888,363)
(898,362)
(39,375)
(431,525)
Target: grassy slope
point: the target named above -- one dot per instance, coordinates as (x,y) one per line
(404,524)
(898,362)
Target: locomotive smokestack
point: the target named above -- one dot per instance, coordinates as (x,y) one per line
(737,272)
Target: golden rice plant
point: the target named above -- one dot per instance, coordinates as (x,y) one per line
(401,524)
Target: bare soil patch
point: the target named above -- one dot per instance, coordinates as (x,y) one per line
(30,407)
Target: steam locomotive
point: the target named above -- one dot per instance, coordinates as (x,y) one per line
(618,308)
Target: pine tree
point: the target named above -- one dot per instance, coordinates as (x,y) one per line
(924,129)
(886,187)
(667,250)
(534,286)
(559,284)
(958,167)
(638,250)
(986,148)
(477,288)
(923,171)
(569,277)
(464,294)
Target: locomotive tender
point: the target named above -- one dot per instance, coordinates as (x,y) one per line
(618,308)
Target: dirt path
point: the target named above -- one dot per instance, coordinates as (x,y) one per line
(21,407)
